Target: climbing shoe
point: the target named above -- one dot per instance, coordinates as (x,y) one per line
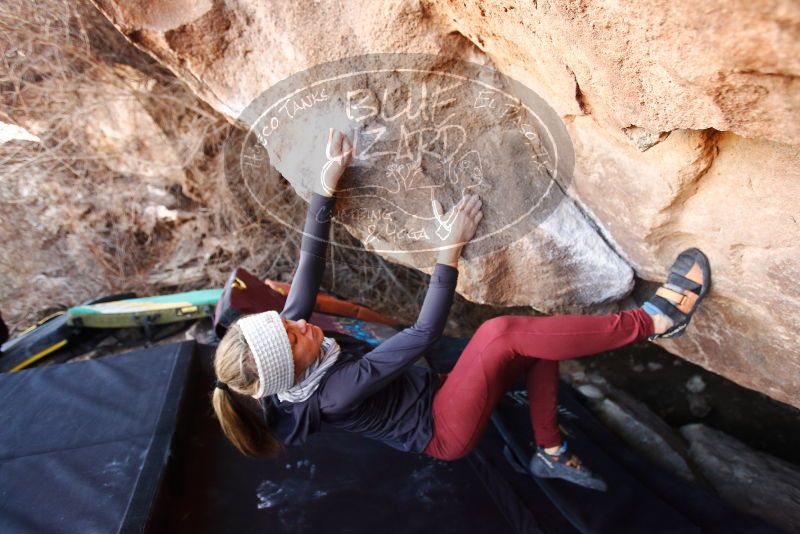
(688,282)
(565,466)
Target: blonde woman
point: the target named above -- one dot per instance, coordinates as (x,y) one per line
(279,379)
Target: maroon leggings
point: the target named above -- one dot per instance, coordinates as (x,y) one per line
(505,348)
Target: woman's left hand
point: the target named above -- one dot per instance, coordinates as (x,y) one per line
(466,215)
(338,155)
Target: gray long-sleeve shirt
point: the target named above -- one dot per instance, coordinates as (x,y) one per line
(379,394)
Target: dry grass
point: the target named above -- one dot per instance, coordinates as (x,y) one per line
(75,220)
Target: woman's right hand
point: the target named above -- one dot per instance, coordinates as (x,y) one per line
(468,215)
(338,155)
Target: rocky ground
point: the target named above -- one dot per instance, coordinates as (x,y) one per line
(699,426)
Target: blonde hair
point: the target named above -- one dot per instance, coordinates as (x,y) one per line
(236,409)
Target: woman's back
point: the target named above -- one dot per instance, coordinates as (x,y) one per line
(397,414)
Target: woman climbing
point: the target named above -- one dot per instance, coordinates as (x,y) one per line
(305,382)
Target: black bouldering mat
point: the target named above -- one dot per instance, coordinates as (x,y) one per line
(129,443)
(337,482)
(84,445)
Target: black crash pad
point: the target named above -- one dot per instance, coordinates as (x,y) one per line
(337,482)
(129,443)
(84,445)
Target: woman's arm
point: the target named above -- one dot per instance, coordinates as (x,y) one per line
(354,383)
(308,276)
(310,268)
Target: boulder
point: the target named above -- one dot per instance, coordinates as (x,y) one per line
(750,480)
(635,423)
(665,66)
(683,122)
(647,434)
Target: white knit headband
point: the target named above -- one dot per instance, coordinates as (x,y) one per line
(269,343)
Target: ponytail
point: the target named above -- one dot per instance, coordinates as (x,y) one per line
(234,406)
(242,426)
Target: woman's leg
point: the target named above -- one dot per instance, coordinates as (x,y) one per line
(505,347)
(542,382)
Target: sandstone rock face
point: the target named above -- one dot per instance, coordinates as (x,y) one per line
(684,124)
(662,66)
